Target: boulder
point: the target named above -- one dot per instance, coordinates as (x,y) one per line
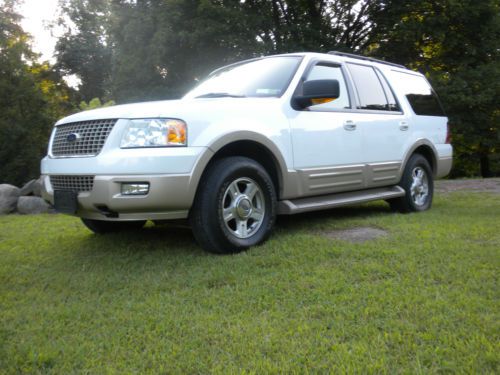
(33,187)
(37,188)
(8,198)
(33,205)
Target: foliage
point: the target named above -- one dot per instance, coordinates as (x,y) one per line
(94,104)
(423,299)
(160,49)
(32,97)
(83,49)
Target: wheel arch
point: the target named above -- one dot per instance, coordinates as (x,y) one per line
(425,148)
(248,144)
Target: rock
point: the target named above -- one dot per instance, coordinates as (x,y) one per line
(8,198)
(37,189)
(33,205)
(33,187)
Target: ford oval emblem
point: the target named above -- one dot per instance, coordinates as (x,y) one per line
(73,137)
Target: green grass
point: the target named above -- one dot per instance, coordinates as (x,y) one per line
(424,299)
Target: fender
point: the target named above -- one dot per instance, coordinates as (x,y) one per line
(288,179)
(418,143)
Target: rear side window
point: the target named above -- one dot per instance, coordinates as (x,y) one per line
(369,86)
(420,95)
(391,100)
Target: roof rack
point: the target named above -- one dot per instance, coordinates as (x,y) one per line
(360,57)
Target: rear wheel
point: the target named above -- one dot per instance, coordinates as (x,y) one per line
(418,183)
(235,207)
(103,226)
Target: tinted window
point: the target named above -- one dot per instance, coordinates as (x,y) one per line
(370,91)
(422,98)
(393,104)
(320,71)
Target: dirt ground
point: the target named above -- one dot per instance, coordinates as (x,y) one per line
(481,185)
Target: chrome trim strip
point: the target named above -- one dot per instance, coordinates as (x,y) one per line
(333,174)
(335,184)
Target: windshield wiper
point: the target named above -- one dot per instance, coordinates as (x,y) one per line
(219,95)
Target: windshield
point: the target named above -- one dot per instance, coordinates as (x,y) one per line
(267,77)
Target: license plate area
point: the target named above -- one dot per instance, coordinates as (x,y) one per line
(65,201)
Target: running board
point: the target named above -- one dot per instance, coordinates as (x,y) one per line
(296,206)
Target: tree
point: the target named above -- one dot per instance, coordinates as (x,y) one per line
(30,98)
(94,104)
(295,25)
(84,49)
(160,48)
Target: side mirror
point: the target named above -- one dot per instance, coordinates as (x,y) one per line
(316,89)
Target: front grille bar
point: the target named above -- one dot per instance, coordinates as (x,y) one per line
(77,184)
(84,138)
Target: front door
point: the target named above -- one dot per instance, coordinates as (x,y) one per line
(327,141)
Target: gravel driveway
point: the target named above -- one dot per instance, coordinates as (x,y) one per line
(482,185)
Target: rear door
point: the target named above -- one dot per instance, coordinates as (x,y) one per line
(386,129)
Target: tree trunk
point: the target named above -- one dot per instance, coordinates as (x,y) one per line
(484,161)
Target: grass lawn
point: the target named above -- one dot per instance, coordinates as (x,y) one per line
(423,299)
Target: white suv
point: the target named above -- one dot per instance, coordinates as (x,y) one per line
(275,135)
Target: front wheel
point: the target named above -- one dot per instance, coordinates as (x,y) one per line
(235,207)
(103,226)
(418,183)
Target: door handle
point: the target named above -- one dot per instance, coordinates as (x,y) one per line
(349,125)
(403,126)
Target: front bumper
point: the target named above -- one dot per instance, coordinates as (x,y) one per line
(172,173)
(168,198)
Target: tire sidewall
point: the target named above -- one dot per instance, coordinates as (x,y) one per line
(414,162)
(218,178)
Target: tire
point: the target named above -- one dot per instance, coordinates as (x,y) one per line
(103,226)
(235,206)
(418,183)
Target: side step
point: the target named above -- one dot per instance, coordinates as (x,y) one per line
(296,206)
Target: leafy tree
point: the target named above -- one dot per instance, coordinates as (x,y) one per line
(23,122)
(83,49)
(94,104)
(30,98)
(292,25)
(160,48)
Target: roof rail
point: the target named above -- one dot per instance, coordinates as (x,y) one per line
(360,57)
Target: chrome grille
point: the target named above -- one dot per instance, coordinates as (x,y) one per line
(73,183)
(88,138)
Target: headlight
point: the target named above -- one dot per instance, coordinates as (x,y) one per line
(154,133)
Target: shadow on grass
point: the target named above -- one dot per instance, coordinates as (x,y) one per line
(315,218)
(170,240)
(167,240)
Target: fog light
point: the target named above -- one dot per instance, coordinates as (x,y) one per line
(135,188)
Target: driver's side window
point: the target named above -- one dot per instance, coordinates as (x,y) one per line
(320,71)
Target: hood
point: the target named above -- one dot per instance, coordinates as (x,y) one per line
(184,109)
(134,110)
